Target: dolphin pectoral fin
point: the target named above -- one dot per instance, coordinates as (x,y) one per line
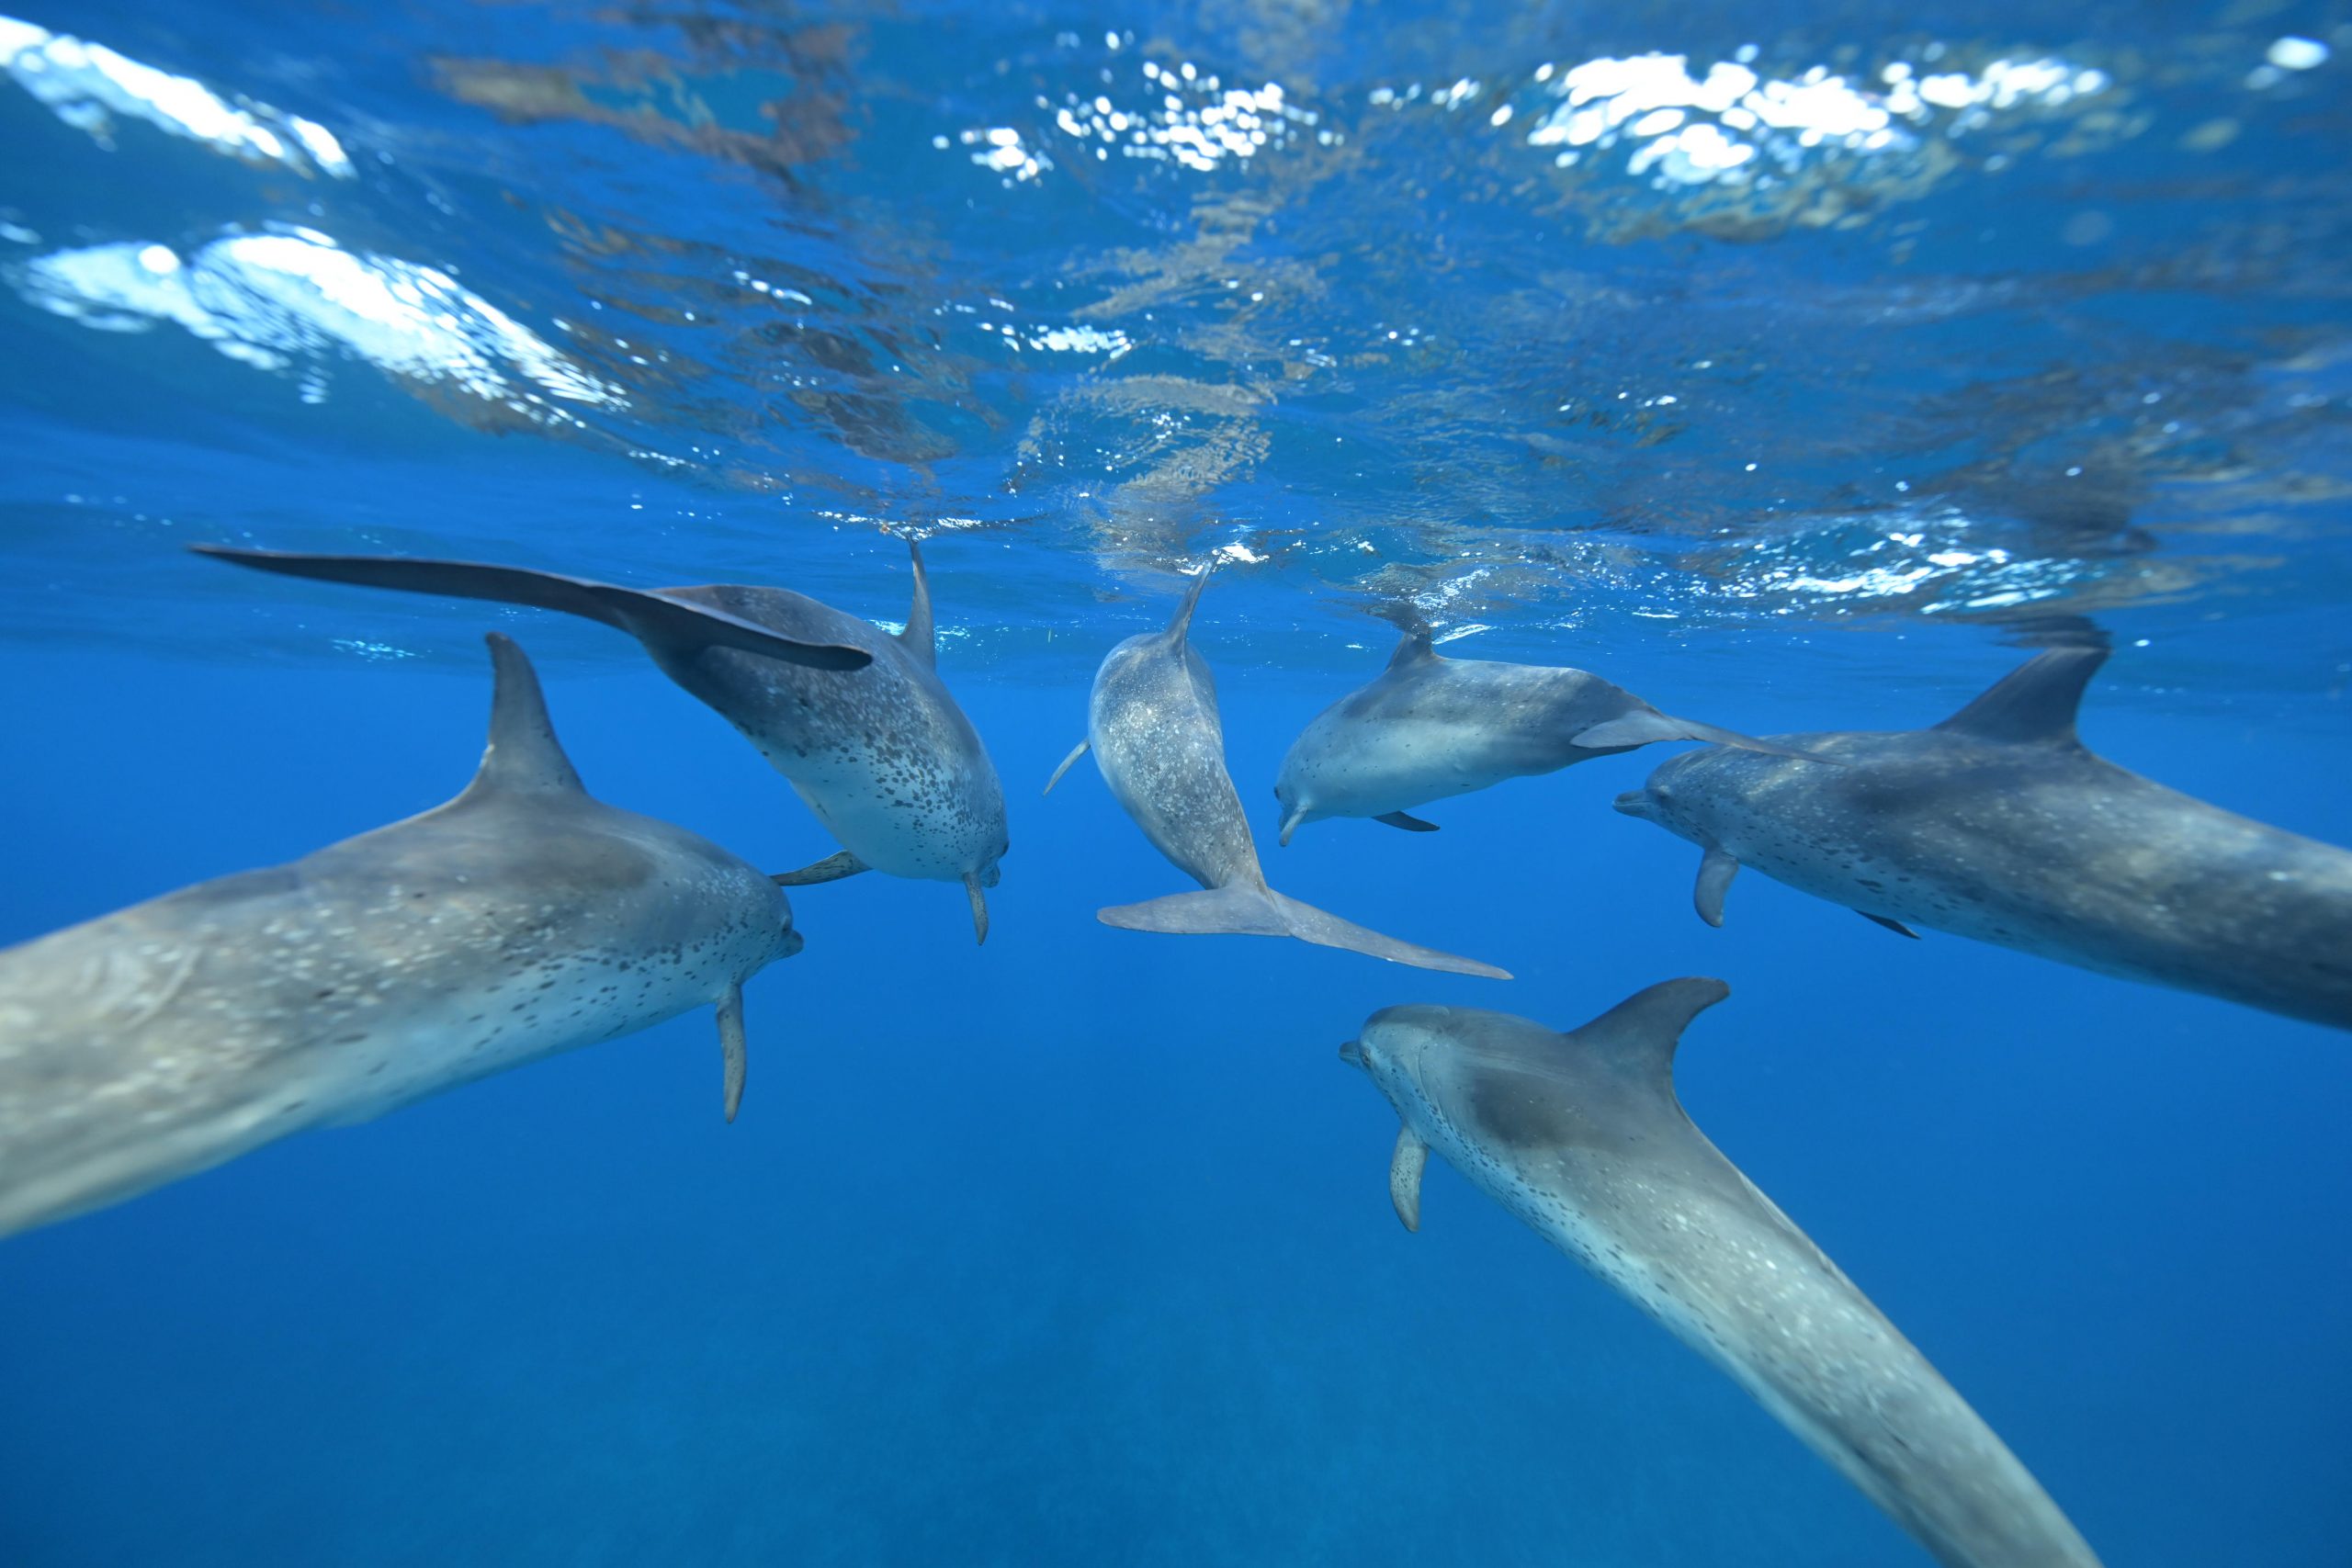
(1897,927)
(1410,824)
(731,1046)
(645,617)
(1644,727)
(979,907)
(1405,1167)
(833,868)
(1075,753)
(1715,870)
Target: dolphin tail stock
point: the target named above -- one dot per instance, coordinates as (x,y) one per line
(1642,728)
(1238,909)
(647,616)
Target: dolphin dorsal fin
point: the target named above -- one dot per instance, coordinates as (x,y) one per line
(1179,625)
(2034,703)
(919,639)
(1413,646)
(523,753)
(1642,1030)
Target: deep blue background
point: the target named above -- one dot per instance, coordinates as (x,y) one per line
(1075,1248)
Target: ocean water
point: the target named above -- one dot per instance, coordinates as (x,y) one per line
(1794,366)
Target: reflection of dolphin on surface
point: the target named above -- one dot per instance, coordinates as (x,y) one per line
(855,718)
(519,919)
(1580,1136)
(1998,824)
(1153,723)
(1431,727)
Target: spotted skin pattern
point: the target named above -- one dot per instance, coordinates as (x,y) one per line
(2021,835)
(520,920)
(1581,1137)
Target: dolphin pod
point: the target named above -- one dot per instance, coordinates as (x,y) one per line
(1999,824)
(520,920)
(855,718)
(1580,1136)
(1153,726)
(1431,727)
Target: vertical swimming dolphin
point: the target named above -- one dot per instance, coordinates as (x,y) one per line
(519,919)
(855,718)
(1431,727)
(1580,1136)
(1999,824)
(1153,725)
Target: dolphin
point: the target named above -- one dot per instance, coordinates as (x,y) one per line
(1579,1137)
(854,717)
(1154,729)
(1432,727)
(1998,824)
(519,919)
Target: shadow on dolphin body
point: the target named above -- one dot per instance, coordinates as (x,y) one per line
(1999,824)
(1580,1136)
(1152,723)
(1431,727)
(520,920)
(855,718)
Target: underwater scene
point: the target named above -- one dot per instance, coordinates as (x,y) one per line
(1073,785)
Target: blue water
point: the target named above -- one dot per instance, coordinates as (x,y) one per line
(1075,1248)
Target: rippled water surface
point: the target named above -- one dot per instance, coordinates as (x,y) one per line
(1788,361)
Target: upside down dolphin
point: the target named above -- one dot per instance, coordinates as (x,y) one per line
(521,919)
(1431,727)
(1999,824)
(1152,723)
(854,717)
(1580,1136)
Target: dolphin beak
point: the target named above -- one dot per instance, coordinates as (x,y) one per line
(1290,826)
(1634,803)
(792,942)
(1351,1052)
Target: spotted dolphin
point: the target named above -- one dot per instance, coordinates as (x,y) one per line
(854,717)
(1999,824)
(517,921)
(1431,727)
(1157,736)
(1580,1136)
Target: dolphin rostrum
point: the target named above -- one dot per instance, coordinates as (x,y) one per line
(519,919)
(855,718)
(1432,727)
(1580,1136)
(1998,824)
(1154,728)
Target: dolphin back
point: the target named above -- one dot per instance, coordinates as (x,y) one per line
(1582,1136)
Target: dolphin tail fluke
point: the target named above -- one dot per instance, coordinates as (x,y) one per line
(647,616)
(1642,728)
(1242,911)
(731,1047)
(1310,924)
